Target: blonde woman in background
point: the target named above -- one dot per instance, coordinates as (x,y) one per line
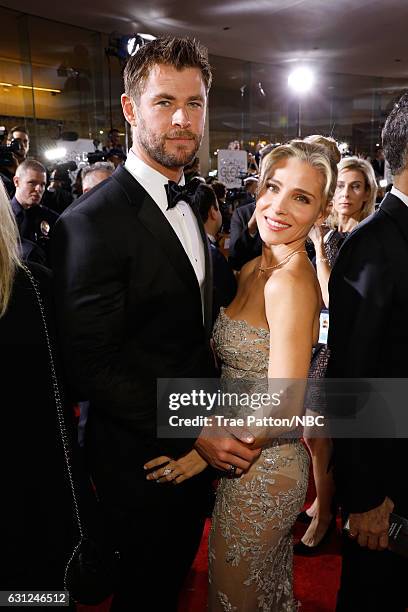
(353,201)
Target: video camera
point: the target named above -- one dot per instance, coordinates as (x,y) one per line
(60,174)
(69,166)
(236,196)
(106,155)
(97,156)
(7,151)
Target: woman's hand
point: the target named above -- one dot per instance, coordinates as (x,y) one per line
(317,234)
(170,470)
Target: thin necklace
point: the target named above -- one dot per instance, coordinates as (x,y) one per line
(281,262)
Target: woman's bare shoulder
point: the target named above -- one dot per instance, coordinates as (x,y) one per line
(295,287)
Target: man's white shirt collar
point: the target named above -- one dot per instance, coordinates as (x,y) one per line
(400,195)
(150,179)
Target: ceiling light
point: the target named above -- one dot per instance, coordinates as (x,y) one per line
(29,87)
(148,36)
(301,80)
(39,88)
(136,41)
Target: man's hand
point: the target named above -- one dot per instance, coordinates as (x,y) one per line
(371,528)
(223,452)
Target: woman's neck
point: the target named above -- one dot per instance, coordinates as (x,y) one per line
(275,254)
(346,224)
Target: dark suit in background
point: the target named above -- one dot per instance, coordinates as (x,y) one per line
(368,338)
(130,311)
(243,247)
(224,282)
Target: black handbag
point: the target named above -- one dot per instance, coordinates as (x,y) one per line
(92,569)
(91,572)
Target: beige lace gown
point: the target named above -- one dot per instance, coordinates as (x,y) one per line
(250,545)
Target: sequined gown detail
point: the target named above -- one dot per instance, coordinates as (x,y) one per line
(250,545)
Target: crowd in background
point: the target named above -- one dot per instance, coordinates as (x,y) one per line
(44,191)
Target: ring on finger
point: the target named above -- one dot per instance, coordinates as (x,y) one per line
(167,471)
(232,470)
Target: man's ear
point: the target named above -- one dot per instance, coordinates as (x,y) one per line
(16,180)
(213,213)
(128,109)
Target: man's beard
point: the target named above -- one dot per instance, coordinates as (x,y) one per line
(155,145)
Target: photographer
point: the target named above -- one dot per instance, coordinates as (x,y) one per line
(250,186)
(19,132)
(58,195)
(10,154)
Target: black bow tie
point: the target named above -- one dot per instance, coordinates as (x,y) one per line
(178,193)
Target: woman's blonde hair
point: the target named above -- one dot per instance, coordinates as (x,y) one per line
(366,169)
(316,154)
(328,143)
(9,249)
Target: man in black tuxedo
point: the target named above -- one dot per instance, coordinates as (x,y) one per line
(133,294)
(368,338)
(224,282)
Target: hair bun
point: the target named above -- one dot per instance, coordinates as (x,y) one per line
(328,143)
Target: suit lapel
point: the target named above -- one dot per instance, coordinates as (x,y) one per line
(398,211)
(155,222)
(208,281)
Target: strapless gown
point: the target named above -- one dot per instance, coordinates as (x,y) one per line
(250,544)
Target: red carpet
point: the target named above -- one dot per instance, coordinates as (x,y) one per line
(316,579)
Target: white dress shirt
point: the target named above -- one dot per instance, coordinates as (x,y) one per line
(181,217)
(400,195)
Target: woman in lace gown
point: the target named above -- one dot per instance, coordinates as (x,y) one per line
(267,332)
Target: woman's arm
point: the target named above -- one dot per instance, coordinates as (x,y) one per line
(323,268)
(292,306)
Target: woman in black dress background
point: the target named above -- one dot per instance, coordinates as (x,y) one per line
(36,525)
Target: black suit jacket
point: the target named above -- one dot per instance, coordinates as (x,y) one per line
(368,338)
(242,246)
(224,283)
(129,311)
